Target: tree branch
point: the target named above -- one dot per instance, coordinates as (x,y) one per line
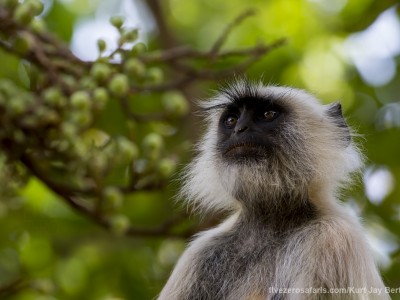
(12,288)
(168,40)
(165,229)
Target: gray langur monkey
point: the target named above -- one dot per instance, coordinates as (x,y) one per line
(275,158)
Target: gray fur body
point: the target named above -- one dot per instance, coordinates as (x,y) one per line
(287,230)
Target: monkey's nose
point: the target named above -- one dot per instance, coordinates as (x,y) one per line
(241,129)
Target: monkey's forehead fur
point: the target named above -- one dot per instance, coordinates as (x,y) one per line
(288,97)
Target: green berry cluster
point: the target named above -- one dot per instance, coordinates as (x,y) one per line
(26,11)
(53,119)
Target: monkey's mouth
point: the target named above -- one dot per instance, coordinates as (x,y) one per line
(244,150)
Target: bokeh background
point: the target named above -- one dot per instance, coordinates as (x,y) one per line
(341,50)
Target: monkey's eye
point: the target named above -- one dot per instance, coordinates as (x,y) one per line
(230,121)
(270,115)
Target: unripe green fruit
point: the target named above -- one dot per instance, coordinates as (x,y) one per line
(119,224)
(127,150)
(152,142)
(35,6)
(47,116)
(110,149)
(166,167)
(103,59)
(59,145)
(100,97)
(130,35)
(96,138)
(69,131)
(22,44)
(117,21)
(7,87)
(98,163)
(138,49)
(23,14)
(16,106)
(119,85)
(80,100)
(87,83)
(101,45)
(175,104)
(53,97)
(78,148)
(100,71)
(81,118)
(69,81)
(134,67)
(155,75)
(112,197)
(38,26)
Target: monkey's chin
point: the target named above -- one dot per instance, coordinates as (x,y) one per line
(245,153)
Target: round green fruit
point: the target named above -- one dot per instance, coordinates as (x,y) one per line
(80,100)
(175,104)
(117,21)
(119,85)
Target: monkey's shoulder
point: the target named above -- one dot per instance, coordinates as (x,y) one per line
(238,259)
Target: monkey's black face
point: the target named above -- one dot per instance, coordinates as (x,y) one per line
(249,129)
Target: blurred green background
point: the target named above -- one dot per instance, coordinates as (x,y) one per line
(341,50)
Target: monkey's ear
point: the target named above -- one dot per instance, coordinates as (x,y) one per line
(335,112)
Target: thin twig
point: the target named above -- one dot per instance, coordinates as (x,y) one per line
(221,40)
(184,53)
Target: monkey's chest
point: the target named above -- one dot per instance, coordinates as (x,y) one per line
(234,266)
